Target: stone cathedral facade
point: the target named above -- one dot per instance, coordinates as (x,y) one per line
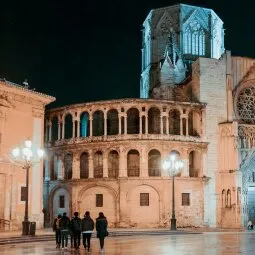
(197,100)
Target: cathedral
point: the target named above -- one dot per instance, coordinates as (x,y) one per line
(196,100)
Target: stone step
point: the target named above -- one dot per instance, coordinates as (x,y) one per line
(41,238)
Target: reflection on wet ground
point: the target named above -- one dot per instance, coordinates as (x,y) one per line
(204,244)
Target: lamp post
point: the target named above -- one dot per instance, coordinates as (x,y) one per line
(26,157)
(172,165)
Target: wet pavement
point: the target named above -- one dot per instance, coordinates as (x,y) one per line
(197,244)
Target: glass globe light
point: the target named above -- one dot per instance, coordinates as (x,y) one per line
(40,153)
(28,143)
(15,152)
(166,164)
(172,157)
(27,153)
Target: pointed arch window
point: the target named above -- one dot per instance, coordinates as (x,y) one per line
(223,198)
(194,39)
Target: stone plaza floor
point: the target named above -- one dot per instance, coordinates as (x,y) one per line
(211,243)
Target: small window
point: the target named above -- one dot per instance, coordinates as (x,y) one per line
(99,200)
(144,199)
(143,109)
(122,109)
(185,198)
(61,201)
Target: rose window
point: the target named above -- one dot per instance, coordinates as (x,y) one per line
(246,105)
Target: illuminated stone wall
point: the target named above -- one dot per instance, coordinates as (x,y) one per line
(174,37)
(138,134)
(21,117)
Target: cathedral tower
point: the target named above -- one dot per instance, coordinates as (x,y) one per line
(173,37)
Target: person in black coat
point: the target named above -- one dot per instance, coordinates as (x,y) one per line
(64,225)
(75,226)
(101,228)
(56,228)
(87,226)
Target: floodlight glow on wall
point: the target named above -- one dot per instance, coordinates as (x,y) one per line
(173,165)
(27,155)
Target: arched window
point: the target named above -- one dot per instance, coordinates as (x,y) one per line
(68,164)
(98,164)
(112,122)
(228,198)
(154,164)
(154,121)
(113,164)
(84,165)
(133,163)
(68,126)
(54,129)
(201,43)
(98,123)
(133,121)
(84,125)
(194,39)
(174,122)
(194,123)
(187,41)
(194,164)
(223,198)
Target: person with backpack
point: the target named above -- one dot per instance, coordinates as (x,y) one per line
(87,226)
(64,225)
(57,230)
(76,230)
(101,227)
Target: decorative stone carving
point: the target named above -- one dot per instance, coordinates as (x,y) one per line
(246,131)
(245,104)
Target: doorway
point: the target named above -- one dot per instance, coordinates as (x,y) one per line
(251,204)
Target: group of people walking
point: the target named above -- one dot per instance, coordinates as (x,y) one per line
(76,227)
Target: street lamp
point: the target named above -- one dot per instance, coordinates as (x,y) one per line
(26,157)
(173,165)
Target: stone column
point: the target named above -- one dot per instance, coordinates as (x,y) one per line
(125,124)
(76,166)
(105,165)
(105,123)
(47,169)
(60,167)
(63,129)
(119,124)
(122,163)
(78,128)
(167,125)
(90,126)
(74,129)
(161,124)
(185,158)
(91,172)
(143,163)
(181,125)
(59,130)
(50,132)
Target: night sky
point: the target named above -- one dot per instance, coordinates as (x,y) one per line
(81,50)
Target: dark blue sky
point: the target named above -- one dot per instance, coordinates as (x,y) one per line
(80,51)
